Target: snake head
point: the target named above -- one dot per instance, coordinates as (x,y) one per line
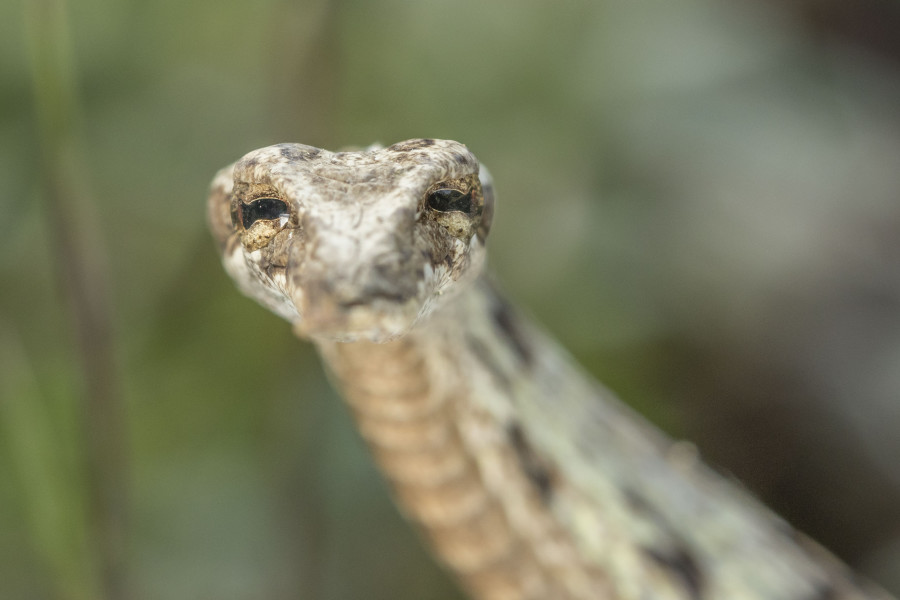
(353,245)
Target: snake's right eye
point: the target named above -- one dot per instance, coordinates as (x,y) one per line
(263,209)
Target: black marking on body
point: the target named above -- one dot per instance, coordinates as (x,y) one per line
(509,326)
(679,561)
(486,359)
(535,468)
(676,557)
(826,591)
(640,504)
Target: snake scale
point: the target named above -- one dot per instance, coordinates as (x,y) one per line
(527,479)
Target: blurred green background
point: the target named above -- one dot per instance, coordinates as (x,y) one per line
(701,199)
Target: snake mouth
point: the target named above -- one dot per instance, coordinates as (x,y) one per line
(339,299)
(377,297)
(378,317)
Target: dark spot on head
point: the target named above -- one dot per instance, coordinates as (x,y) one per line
(679,561)
(535,468)
(411,145)
(295,152)
(460,159)
(510,326)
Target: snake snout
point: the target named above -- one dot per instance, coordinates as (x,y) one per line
(354,286)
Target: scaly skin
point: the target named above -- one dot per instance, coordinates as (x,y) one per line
(529,480)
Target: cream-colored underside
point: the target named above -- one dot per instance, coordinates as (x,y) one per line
(454,473)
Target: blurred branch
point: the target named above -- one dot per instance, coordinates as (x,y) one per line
(304,79)
(303,92)
(81,279)
(52,502)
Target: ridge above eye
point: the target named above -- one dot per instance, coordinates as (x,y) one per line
(263,209)
(447,200)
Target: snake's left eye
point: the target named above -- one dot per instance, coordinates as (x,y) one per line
(263,209)
(447,200)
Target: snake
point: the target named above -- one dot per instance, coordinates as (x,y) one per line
(527,479)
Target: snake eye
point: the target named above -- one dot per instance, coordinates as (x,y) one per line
(263,209)
(447,200)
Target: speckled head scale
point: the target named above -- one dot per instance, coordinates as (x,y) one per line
(353,245)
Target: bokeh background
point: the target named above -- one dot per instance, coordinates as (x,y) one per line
(700,199)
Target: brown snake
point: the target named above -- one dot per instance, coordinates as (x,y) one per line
(528,479)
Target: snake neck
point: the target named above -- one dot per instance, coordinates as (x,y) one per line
(457,467)
(463,415)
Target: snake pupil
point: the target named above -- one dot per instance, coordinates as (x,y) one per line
(446,200)
(266,209)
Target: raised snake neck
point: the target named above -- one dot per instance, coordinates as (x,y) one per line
(529,480)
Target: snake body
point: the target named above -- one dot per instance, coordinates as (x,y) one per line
(528,479)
